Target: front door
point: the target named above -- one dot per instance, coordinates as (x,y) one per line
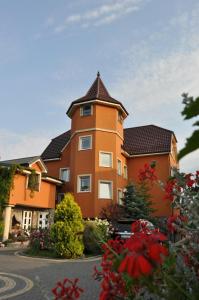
(27,220)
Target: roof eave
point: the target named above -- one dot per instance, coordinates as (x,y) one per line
(95,100)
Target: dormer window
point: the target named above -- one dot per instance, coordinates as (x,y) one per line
(86,110)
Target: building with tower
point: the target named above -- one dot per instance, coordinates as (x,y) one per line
(97,157)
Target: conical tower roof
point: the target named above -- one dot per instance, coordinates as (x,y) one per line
(97,91)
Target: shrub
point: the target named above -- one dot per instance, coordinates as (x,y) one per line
(40,240)
(67,231)
(95,231)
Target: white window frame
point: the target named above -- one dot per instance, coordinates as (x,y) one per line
(79,183)
(105,152)
(82,110)
(105,181)
(80,143)
(118,199)
(43,219)
(126,174)
(28,217)
(60,171)
(120,174)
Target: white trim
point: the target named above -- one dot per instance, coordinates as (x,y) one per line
(81,110)
(106,152)
(97,101)
(51,180)
(60,170)
(42,165)
(85,130)
(51,159)
(147,154)
(118,159)
(78,183)
(105,181)
(96,129)
(80,144)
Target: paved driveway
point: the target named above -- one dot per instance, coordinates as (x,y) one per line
(17,275)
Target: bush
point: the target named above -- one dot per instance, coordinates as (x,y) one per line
(67,231)
(40,240)
(95,231)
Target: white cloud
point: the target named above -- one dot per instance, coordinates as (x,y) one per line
(14,145)
(190,163)
(150,82)
(104,14)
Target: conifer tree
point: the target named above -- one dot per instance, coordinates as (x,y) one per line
(136,202)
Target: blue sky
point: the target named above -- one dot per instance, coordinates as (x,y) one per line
(147,52)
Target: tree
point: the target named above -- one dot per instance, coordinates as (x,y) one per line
(191,110)
(68,228)
(136,201)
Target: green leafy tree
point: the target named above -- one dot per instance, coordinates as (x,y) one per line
(136,202)
(190,111)
(67,230)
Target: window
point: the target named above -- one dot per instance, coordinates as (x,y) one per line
(125,172)
(84,183)
(105,159)
(85,142)
(119,167)
(120,117)
(43,221)
(34,181)
(60,197)
(27,220)
(119,197)
(86,110)
(105,189)
(64,174)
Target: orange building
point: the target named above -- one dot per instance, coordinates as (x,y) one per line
(32,198)
(97,157)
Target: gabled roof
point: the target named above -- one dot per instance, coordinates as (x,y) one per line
(137,140)
(97,91)
(147,139)
(25,162)
(56,146)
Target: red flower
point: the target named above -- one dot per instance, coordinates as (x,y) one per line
(67,290)
(135,266)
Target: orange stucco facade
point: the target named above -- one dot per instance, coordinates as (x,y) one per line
(106,131)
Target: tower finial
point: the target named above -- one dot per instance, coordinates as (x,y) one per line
(98,74)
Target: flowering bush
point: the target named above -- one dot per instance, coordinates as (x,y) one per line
(67,290)
(148,265)
(40,240)
(95,231)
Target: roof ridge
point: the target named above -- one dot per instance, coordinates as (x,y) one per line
(148,126)
(26,157)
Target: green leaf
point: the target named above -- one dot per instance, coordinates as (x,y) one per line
(191,145)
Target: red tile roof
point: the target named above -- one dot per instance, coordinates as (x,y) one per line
(97,91)
(137,140)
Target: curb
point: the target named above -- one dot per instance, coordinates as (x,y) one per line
(59,260)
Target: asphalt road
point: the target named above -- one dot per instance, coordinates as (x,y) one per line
(18,275)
